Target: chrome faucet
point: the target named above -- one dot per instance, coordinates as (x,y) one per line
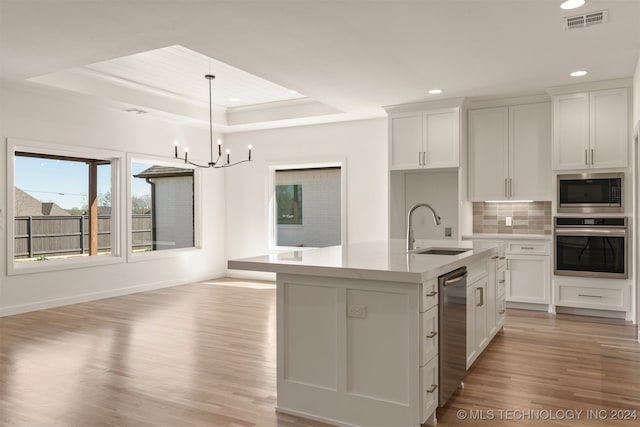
(410,239)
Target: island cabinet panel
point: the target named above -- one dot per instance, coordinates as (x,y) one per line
(311,318)
(375,371)
(349,351)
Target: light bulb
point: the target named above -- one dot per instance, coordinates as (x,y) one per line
(571,4)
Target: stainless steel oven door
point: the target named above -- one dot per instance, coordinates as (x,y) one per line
(591,252)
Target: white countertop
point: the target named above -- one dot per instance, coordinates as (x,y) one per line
(491,236)
(385,260)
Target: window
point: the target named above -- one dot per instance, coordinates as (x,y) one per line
(162,207)
(62,207)
(308,206)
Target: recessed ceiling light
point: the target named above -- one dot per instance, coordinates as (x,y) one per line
(579,73)
(234,99)
(295,92)
(435,91)
(571,4)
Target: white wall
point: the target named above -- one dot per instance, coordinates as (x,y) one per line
(636,120)
(31,113)
(439,189)
(363,144)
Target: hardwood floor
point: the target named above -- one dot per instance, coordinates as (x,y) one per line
(204,355)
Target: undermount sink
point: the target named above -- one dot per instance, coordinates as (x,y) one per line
(433,251)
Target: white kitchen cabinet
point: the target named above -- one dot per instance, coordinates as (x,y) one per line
(528,278)
(424,139)
(496,294)
(510,153)
(488,154)
(477,332)
(590,130)
(501,294)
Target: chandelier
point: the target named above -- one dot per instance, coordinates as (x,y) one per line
(212,163)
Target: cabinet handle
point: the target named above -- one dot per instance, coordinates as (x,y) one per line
(510,188)
(431,294)
(502,257)
(432,334)
(494,257)
(420,158)
(424,158)
(592,156)
(433,388)
(505,188)
(590,296)
(586,157)
(502,312)
(481,297)
(501,281)
(527,247)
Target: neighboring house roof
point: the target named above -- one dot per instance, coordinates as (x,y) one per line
(27,205)
(156,171)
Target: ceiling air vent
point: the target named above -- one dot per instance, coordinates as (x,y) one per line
(586,20)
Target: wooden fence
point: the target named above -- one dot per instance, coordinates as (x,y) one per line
(37,236)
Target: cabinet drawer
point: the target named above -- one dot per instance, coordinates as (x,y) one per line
(429,294)
(429,387)
(501,260)
(530,248)
(592,297)
(501,307)
(500,285)
(429,334)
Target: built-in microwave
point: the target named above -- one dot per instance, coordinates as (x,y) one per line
(591,193)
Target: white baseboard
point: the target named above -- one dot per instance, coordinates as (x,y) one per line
(528,306)
(255,275)
(93,296)
(313,417)
(589,312)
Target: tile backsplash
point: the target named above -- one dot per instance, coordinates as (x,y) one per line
(527,218)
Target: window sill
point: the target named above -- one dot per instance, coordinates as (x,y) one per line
(163,254)
(34,267)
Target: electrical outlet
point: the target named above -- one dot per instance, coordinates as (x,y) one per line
(359,311)
(508,221)
(447,232)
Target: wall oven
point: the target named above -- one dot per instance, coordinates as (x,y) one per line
(591,247)
(590,193)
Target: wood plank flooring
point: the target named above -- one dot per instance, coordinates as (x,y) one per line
(205,355)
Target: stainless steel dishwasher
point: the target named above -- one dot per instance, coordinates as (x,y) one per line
(453,332)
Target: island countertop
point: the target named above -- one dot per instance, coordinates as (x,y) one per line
(385,260)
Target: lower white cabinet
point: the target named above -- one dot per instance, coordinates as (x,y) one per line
(477,333)
(486,305)
(429,378)
(528,272)
(528,278)
(429,321)
(593,296)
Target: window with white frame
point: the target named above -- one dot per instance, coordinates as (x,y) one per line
(162,207)
(63,205)
(307,207)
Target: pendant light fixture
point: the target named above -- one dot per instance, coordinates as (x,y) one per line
(212,163)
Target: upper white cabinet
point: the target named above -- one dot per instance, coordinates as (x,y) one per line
(590,129)
(424,139)
(510,153)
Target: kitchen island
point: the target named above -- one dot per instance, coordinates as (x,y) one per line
(357,327)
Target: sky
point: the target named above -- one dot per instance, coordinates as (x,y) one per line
(66,183)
